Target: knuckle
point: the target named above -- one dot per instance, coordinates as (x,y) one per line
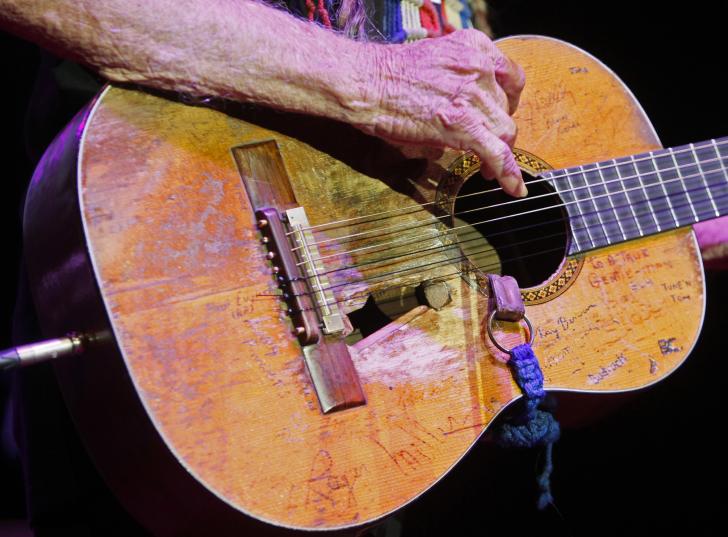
(453,115)
(509,132)
(502,64)
(510,73)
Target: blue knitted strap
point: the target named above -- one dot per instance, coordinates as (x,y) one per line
(527,371)
(533,427)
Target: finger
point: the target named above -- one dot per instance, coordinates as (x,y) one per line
(492,88)
(511,78)
(498,158)
(496,119)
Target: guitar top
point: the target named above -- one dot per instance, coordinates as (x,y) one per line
(341,402)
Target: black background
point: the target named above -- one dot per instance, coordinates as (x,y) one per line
(658,463)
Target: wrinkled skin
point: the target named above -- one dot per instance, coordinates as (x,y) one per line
(454,91)
(457,91)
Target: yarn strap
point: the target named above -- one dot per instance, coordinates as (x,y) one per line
(534,426)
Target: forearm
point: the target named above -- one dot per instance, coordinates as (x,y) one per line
(456,91)
(237,49)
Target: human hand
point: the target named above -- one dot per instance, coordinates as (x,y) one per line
(456,91)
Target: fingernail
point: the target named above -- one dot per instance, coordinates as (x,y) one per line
(522,190)
(514,185)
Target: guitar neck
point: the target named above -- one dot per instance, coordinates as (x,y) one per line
(630,197)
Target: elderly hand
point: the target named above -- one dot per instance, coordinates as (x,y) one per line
(456,91)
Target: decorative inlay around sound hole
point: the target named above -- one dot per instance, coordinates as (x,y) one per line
(526,238)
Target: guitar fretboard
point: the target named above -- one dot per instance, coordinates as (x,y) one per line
(630,197)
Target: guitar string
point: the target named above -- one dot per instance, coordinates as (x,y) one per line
(711,144)
(588,228)
(364,295)
(433,249)
(435,220)
(442,249)
(397,243)
(417,269)
(552,175)
(388,230)
(429,222)
(428,266)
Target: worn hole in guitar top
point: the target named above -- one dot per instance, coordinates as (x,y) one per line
(526,239)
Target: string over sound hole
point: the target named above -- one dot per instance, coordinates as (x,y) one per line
(525,238)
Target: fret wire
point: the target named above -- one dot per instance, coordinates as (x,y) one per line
(574,236)
(631,206)
(577,205)
(609,198)
(652,209)
(718,183)
(578,210)
(676,188)
(682,179)
(594,203)
(664,190)
(704,204)
(638,196)
(641,157)
(583,222)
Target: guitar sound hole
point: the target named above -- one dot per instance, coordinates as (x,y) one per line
(502,235)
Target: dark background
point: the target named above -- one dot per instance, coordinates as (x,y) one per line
(658,463)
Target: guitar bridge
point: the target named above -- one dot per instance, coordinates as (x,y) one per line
(295,290)
(331,317)
(311,303)
(312,306)
(318,321)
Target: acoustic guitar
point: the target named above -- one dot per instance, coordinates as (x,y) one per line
(285,319)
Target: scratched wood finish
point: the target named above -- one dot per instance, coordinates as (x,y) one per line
(635,310)
(191,299)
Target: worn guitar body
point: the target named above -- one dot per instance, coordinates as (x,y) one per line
(194,398)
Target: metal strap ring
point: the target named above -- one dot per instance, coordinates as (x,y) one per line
(489,327)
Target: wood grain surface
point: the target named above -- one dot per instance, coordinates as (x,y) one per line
(211,352)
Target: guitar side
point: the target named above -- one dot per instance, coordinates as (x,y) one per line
(208,370)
